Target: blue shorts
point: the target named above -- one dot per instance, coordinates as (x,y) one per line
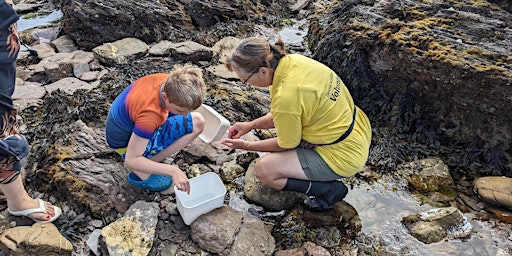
(173,128)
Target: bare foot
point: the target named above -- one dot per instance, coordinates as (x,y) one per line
(34,204)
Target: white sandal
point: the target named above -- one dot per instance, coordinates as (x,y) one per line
(41,209)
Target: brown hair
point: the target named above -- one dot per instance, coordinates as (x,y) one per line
(185,86)
(254,52)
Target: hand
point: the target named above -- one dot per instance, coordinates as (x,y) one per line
(235,143)
(180,180)
(238,129)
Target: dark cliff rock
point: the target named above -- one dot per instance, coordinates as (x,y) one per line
(92,23)
(438,72)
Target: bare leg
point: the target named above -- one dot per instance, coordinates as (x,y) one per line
(198,126)
(18,199)
(274,169)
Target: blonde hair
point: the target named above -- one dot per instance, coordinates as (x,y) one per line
(185,86)
(254,52)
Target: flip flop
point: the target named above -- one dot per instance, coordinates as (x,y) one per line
(41,209)
(155,183)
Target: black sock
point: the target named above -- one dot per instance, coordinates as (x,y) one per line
(297,185)
(310,188)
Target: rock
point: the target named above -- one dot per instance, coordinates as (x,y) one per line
(22,8)
(327,229)
(64,44)
(93,242)
(68,85)
(134,233)
(228,232)
(60,65)
(190,51)
(121,51)
(428,175)
(223,72)
(161,48)
(91,23)
(80,68)
(271,199)
(89,176)
(29,90)
(223,47)
(307,248)
(35,240)
(229,171)
(409,66)
(495,190)
(437,224)
(46,35)
(44,50)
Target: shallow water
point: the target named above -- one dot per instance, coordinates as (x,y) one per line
(24,24)
(381,210)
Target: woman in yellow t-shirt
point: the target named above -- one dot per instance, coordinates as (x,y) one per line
(322,136)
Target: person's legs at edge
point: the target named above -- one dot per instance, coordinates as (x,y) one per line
(169,140)
(18,200)
(283,170)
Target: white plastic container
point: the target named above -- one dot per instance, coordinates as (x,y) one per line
(215,124)
(207,192)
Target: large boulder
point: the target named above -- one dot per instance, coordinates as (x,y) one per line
(494,190)
(92,23)
(439,70)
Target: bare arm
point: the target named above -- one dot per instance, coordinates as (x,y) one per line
(268,145)
(264,122)
(240,128)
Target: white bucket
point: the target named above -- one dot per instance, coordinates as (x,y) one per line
(207,192)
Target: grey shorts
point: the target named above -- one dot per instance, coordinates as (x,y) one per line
(314,166)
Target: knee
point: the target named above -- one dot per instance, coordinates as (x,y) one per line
(261,170)
(198,122)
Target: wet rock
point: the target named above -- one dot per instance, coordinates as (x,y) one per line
(307,248)
(89,176)
(121,51)
(229,171)
(38,239)
(437,224)
(494,190)
(441,67)
(429,175)
(269,198)
(328,229)
(134,233)
(91,23)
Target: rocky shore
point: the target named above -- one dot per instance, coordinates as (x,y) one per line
(64,94)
